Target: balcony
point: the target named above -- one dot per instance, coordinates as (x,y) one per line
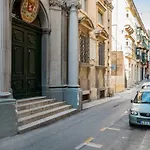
(128,52)
(139,34)
(144,58)
(129,29)
(139,38)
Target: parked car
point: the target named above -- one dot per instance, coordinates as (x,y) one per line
(146,85)
(140,110)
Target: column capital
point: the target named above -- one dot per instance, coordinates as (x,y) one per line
(75,3)
(59,3)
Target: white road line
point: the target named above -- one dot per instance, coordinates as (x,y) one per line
(80,146)
(124,113)
(103,129)
(84,143)
(94,145)
(115,129)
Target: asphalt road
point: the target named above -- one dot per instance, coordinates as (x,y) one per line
(103,127)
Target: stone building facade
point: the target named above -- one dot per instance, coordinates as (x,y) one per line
(128,36)
(95,20)
(38,54)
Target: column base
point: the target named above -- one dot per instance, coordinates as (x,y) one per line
(4,95)
(56,92)
(8,117)
(73,97)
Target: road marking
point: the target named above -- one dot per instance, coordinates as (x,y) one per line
(94,145)
(115,129)
(80,146)
(89,140)
(107,128)
(84,143)
(103,129)
(124,113)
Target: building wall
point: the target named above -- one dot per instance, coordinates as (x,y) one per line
(117,72)
(124,38)
(98,77)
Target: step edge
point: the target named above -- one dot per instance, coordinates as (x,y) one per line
(40,101)
(38,122)
(30,99)
(36,108)
(41,113)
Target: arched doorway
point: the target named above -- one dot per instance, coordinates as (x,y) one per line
(26,55)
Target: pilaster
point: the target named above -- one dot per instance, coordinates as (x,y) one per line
(4,61)
(8,125)
(55,60)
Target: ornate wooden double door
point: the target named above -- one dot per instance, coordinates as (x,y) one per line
(26,60)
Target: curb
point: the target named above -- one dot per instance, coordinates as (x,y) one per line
(108,99)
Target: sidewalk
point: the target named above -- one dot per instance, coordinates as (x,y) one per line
(108,99)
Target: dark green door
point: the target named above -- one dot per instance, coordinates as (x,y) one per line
(26,60)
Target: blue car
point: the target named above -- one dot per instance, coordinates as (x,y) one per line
(140,110)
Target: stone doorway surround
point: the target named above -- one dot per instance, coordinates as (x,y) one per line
(8,127)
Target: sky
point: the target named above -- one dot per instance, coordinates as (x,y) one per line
(143,7)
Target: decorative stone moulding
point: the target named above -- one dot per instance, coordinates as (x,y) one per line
(4,94)
(65,3)
(59,3)
(76,3)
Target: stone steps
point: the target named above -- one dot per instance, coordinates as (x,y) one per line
(41,115)
(47,120)
(35,110)
(30,105)
(32,99)
(38,111)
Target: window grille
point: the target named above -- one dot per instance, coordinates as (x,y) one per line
(101,53)
(84,49)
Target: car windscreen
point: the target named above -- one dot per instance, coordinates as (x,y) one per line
(142,97)
(145,86)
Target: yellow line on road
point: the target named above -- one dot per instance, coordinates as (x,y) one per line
(89,140)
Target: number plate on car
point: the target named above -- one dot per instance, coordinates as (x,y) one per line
(145,123)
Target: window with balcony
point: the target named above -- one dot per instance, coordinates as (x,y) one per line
(101,48)
(143,57)
(100,18)
(84,49)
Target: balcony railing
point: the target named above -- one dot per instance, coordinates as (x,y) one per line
(128,52)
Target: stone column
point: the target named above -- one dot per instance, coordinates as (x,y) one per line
(72,92)
(73,63)
(3,49)
(8,125)
(45,60)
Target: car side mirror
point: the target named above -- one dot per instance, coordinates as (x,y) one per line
(132,101)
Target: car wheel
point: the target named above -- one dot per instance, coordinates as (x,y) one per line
(131,124)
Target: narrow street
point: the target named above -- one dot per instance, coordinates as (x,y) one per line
(102,127)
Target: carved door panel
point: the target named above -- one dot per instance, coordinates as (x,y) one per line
(26,62)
